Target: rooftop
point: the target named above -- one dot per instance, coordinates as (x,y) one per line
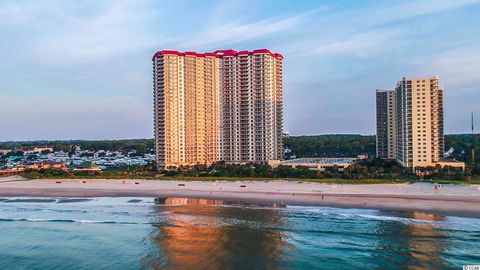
(299,161)
(217,53)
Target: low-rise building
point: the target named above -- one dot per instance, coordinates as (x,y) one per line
(88,167)
(38,150)
(4,151)
(320,164)
(451,163)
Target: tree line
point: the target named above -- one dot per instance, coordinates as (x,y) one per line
(299,146)
(364,169)
(461,146)
(141,146)
(348,145)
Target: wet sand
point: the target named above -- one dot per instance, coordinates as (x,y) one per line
(457,200)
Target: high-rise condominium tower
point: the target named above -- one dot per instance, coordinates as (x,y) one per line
(386,124)
(413,114)
(209,107)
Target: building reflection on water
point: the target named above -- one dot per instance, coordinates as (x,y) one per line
(420,243)
(199,236)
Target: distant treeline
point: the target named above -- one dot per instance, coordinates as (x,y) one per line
(329,145)
(300,146)
(353,145)
(365,171)
(462,145)
(142,146)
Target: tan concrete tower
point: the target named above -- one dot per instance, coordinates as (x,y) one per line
(186,114)
(386,124)
(252,105)
(225,105)
(420,136)
(410,122)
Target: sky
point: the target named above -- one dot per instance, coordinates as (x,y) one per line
(83,70)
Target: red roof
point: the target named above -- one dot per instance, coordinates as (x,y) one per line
(194,54)
(277,55)
(210,54)
(166,52)
(259,51)
(226,52)
(217,53)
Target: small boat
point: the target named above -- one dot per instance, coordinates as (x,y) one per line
(137,183)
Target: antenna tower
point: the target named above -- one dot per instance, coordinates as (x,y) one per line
(473,143)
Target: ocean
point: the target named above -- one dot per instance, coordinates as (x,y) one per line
(178,233)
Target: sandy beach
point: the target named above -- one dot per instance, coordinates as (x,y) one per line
(458,200)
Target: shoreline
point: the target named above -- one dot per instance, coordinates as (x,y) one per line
(452,201)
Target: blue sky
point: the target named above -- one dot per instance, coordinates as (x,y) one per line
(82,69)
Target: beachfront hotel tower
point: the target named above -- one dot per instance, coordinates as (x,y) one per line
(220,106)
(410,122)
(386,124)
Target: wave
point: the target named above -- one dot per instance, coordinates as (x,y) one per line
(30,201)
(73,200)
(404,220)
(68,221)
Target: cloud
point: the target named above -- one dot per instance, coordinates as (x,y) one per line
(231,33)
(383,13)
(66,35)
(364,31)
(360,45)
(411,9)
(87,63)
(14,13)
(458,69)
(40,118)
